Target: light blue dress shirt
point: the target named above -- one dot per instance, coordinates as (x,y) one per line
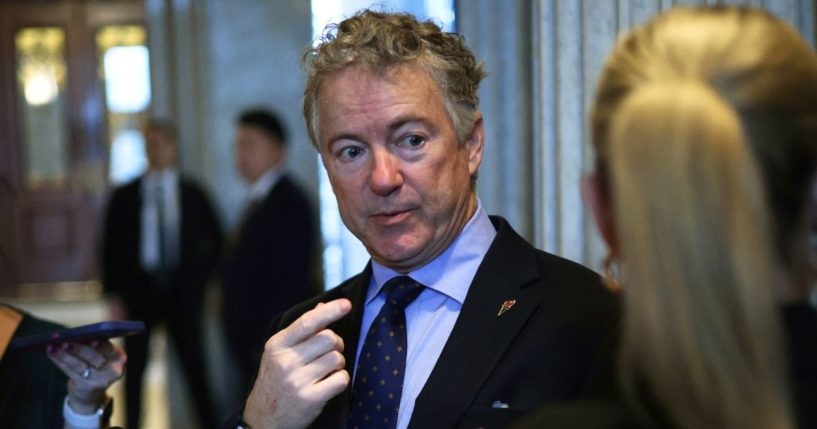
(431,317)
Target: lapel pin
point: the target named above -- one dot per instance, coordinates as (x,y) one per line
(506,306)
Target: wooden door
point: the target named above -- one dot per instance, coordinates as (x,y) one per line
(53,144)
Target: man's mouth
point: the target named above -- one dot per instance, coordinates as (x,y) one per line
(390,218)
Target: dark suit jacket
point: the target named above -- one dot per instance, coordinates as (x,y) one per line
(800,321)
(32,388)
(585,414)
(199,246)
(543,349)
(268,270)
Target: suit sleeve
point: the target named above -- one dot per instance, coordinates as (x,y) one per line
(209,233)
(295,248)
(110,255)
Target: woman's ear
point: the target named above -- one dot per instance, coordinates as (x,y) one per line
(800,273)
(600,207)
(810,219)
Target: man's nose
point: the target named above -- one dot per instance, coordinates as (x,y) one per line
(386,176)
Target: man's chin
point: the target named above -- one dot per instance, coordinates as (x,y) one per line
(398,258)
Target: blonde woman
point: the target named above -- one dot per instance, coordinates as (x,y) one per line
(705,131)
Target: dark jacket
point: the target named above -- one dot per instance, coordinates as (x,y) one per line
(200,244)
(32,388)
(268,269)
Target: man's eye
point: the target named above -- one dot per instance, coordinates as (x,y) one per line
(412,141)
(350,152)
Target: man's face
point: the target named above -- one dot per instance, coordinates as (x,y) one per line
(402,181)
(255,153)
(160,149)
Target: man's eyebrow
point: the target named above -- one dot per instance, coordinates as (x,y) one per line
(394,126)
(342,136)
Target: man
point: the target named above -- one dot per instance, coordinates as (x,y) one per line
(161,242)
(457,321)
(268,268)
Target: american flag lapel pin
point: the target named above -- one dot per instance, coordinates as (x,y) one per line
(506,306)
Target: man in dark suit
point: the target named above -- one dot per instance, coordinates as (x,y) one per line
(267,269)
(161,242)
(457,321)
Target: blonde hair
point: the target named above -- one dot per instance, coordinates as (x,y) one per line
(694,112)
(382,41)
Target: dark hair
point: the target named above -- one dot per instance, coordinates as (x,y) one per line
(266,121)
(164,126)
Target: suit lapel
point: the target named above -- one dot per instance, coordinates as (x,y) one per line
(348,328)
(480,337)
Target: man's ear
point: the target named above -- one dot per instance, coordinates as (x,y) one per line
(473,145)
(279,154)
(600,207)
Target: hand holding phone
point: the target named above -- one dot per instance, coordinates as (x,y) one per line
(91,369)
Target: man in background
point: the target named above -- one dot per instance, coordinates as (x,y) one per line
(161,242)
(267,269)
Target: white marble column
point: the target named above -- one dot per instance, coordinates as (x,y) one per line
(500,34)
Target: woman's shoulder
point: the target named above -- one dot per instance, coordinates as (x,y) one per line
(29,324)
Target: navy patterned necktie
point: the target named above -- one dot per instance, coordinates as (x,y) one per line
(378,381)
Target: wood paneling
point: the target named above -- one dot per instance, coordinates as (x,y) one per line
(48,234)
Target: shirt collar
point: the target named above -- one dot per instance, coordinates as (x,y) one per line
(167,177)
(452,271)
(261,187)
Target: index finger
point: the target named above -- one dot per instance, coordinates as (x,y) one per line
(312,322)
(89,354)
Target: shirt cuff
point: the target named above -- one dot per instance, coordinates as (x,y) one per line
(81,421)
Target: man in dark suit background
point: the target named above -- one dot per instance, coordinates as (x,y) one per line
(161,242)
(267,268)
(457,321)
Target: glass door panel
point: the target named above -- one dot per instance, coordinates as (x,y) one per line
(124,67)
(41,78)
